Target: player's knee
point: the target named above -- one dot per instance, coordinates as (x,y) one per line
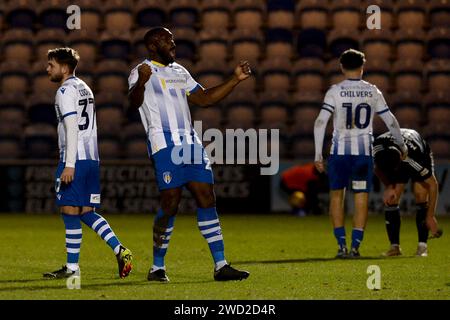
(170,205)
(206,200)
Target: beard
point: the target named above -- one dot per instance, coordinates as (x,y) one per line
(166,57)
(56,78)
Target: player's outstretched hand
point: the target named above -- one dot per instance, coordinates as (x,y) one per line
(243,70)
(320,166)
(145,72)
(67,175)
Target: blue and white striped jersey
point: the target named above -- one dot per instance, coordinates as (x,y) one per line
(165,111)
(353,103)
(75,98)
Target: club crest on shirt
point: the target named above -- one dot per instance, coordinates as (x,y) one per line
(167,177)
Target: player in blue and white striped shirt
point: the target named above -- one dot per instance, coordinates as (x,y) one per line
(352,103)
(78,173)
(161,90)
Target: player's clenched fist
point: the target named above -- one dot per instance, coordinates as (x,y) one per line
(243,70)
(144,72)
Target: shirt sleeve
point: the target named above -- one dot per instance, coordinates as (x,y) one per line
(380,103)
(191,84)
(329,103)
(66,98)
(133,78)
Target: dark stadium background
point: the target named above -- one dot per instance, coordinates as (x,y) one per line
(292,47)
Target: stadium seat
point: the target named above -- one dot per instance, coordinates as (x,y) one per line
(184,13)
(2,15)
(136,149)
(118,15)
(133,131)
(112,75)
(109,148)
(139,50)
(439,43)
(309,75)
(52,14)
(311,43)
(340,40)
(85,42)
(47,39)
(21,14)
(85,71)
(109,120)
(439,13)
(408,75)
(216,14)
(303,147)
(40,141)
(274,110)
(440,146)
(378,73)
(249,14)
(40,79)
(312,14)
(41,108)
(10,148)
(240,107)
(279,43)
(210,117)
(307,108)
(407,108)
(14,76)
(208,73)
(213,45)
(115,45)
(377,44)
(388,18)
(437,104)
(150,13)
(247,44)
(276,75)
(186,42)
(280,14)
(90,14)
(241,116)
(18,45)
(438,74)
(333,70)
(410,44)
(411,14)
(346,14)
(12,113)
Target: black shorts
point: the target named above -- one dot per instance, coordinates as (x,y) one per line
(415,170)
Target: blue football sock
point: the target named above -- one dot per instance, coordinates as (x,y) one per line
(357,237)
(339,233)
(209,225)
(97,223)
(160,252)
(73,239)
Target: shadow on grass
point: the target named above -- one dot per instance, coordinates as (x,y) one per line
(61,284)
(305,260)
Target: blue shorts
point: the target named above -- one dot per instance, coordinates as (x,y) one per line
(358,169)
(177,165)
(84,190)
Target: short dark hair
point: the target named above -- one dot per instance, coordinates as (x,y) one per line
(152,33)
(352,59)
(388,160)
(67,56)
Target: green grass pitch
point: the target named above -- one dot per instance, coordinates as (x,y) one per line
(288,258)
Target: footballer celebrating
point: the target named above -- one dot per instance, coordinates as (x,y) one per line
(78,173)
(395,173)
(352,103)
(161,90)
